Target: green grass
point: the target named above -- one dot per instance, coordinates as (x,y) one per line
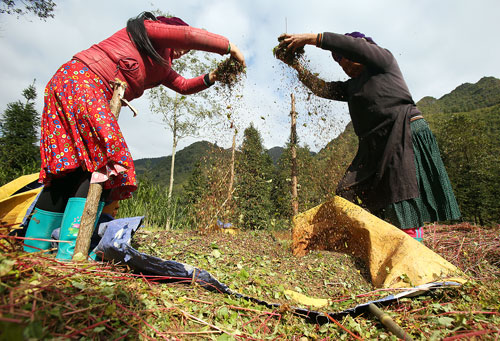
(42,298)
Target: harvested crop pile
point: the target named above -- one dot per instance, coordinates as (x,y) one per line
(287,56)
(260,264)
(229,71)
(297,60)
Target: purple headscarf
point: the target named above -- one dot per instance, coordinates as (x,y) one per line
(337,57)
(172,21)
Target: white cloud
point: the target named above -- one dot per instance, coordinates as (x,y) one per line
(439,45)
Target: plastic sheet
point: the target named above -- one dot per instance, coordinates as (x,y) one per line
(115,246)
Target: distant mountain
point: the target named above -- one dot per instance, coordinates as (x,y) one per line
(479,102)
(275,153)
(466,97)
(158,169)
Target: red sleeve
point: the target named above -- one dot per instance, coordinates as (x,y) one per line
(185,37)
(182,85)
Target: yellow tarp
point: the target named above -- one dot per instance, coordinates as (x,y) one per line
(13,207)
(394,258)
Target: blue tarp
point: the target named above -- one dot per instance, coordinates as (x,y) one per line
(115,246)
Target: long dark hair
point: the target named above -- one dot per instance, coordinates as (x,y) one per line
(137,33)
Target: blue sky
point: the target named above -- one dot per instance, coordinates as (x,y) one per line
(439,46)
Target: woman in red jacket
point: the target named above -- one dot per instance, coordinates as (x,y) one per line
(80,135)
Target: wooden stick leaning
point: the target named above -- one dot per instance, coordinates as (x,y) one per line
(95,190)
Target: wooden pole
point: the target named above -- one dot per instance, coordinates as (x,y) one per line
(89,214)
(293,143)
(389,323)
(233,149)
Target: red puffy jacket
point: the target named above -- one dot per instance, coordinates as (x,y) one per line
(117,57)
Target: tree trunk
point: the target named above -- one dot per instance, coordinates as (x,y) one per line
(172,163)
(293,142)
(171,184)
(172,166)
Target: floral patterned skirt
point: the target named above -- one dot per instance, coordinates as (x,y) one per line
(79,130)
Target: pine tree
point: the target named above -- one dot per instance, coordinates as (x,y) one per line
(196,186)
(280,193)
(205,197)
(253,182)
(18,137)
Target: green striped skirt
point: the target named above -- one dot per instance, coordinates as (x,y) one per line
(436,201)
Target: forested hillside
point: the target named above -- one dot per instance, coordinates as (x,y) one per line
(466,97)
(466,123)
(158,169)
(275,153)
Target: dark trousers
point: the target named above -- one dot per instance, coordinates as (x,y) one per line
(54,198)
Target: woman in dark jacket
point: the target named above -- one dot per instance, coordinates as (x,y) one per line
(397,173)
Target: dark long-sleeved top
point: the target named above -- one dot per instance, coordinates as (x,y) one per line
(380,106)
